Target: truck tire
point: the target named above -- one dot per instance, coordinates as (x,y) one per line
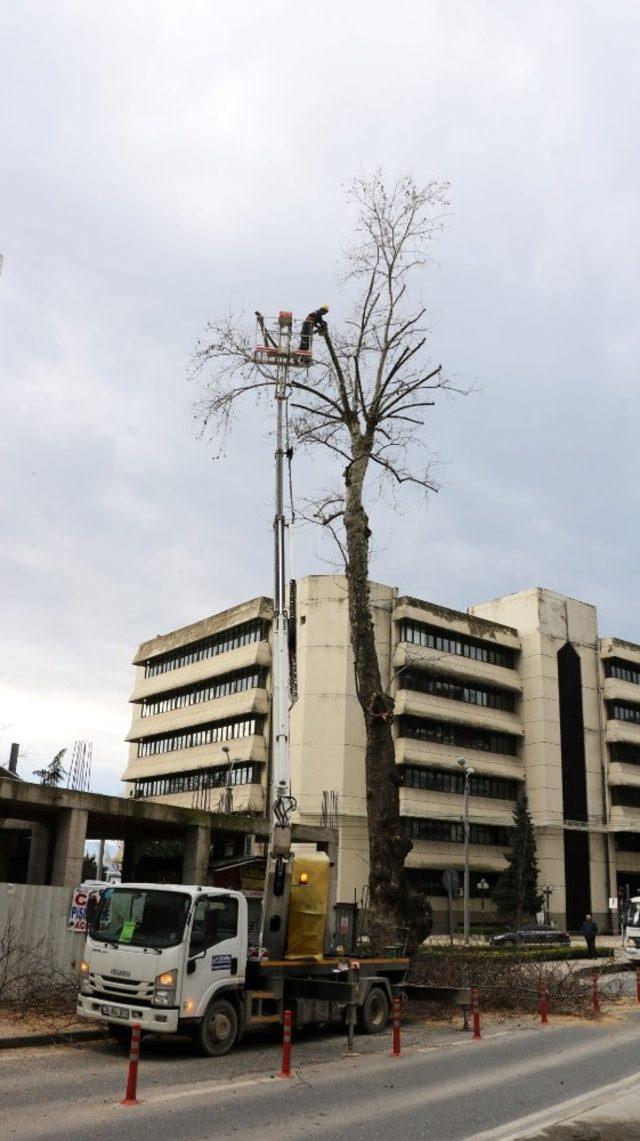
(373,1015)
(218,1030)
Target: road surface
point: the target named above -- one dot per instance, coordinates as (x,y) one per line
(448,1092)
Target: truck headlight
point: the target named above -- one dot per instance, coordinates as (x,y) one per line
(165,989)
(85,986)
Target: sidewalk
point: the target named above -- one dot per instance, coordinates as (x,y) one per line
(612,1114)
(34,1030)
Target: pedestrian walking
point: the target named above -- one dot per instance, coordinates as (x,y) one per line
(589,929)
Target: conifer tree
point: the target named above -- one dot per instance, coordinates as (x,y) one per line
(516,892)
(53,774)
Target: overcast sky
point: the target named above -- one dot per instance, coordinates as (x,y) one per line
(163,161)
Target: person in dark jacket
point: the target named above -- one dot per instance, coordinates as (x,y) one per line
(313,323)
(589,929)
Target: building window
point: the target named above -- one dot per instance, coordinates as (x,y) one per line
(423,682)
(439,780)
(624,671)
(201,778)
(623,711)
(625,754)
(624,796)
(452,832)
(224,686)
(255,631)
(461,736)
(419,634)
(628,842)
(200,735)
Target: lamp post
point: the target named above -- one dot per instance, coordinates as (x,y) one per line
(483,888)
(547,891)
(228,792)
(468,773)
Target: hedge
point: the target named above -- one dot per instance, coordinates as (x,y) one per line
(561,953)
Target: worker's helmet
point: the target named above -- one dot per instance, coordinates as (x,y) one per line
(324,308)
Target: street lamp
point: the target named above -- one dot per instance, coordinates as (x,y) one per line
(468,773)
(483,888)
(547,891)
(228,792)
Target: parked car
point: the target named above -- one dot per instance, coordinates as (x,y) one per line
(537,933)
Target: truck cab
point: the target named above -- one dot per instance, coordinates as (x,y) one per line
(162,956)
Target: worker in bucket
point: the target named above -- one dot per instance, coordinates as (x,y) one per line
(313,323)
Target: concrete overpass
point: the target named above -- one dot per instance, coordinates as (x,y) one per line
(61,821)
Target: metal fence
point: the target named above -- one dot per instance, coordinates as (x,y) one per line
(35,939)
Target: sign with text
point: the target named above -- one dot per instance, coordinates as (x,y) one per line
(86,894)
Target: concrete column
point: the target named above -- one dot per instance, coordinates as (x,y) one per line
(5,844)
(131,853)
(68,853)
(38,854)
(195,859)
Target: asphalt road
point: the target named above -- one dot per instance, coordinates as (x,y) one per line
(446,1092)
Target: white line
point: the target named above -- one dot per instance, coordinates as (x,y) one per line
(207,1088)
(534,1122)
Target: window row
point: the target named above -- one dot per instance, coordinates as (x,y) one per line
(452,832)
(625,796)
(254,631)
(462,736)
(623,753)
(253,678)
(429,880)
(439,780)
(628,842)
(419,634)
(625,671)
(202,778)
(623,711)
(423,682)
(201,735)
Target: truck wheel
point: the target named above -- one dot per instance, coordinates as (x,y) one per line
(373,1015)
(218,1030)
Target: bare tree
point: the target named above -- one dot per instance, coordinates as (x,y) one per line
(365,401)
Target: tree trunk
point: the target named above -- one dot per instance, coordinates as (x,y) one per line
(392,908)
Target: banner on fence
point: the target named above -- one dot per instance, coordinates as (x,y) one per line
(83,896)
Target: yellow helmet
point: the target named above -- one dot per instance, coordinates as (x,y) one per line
(325,308)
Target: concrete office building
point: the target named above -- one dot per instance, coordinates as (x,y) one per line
(522,687)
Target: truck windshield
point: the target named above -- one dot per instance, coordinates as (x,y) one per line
(633,919)
(140,917)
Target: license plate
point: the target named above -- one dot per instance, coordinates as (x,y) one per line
(115,1012)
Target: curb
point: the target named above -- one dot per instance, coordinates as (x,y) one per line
(53,1038)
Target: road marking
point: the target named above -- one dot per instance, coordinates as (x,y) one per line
(208,1088)
(534,1122)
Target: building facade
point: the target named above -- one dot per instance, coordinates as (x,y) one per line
(522,687)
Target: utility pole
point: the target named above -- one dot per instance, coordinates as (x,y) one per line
(468,773)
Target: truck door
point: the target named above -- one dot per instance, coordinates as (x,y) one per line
(215,946)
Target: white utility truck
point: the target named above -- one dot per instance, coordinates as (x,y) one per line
(175,960)
(631,944)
